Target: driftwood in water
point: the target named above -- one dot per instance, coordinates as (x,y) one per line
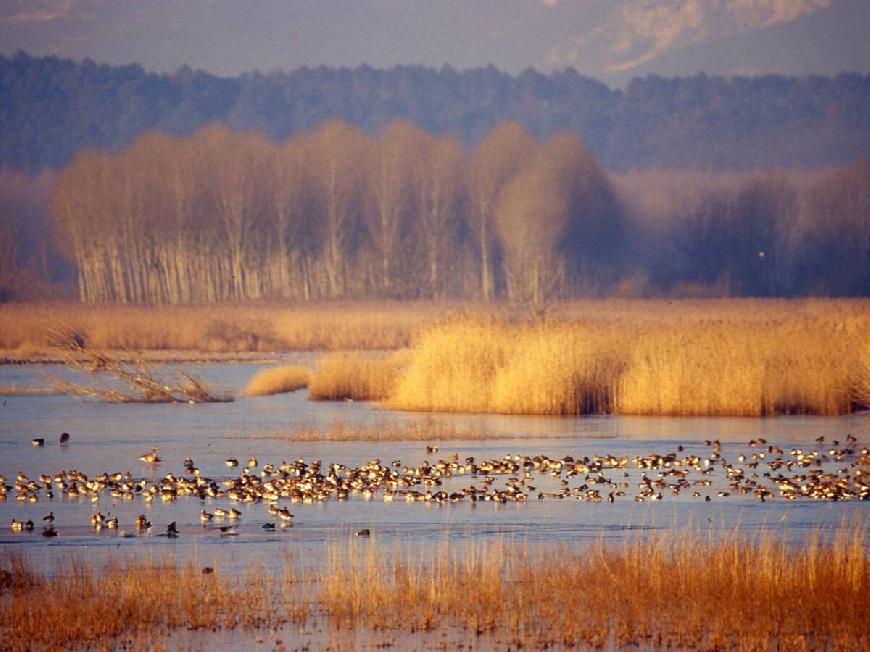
(127,379)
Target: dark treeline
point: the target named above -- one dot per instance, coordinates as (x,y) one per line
(224,215)
(51,108)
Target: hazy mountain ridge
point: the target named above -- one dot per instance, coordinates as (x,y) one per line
(52,108)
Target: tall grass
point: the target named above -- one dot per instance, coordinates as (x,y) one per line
(278,380)
(80,603)
(691,592)
(681,589)
(344,377)
(692,358)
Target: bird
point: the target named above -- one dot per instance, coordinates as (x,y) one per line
(284,514)
(150,458)
(172,530)
(48,518)
(252,463)
(268,526)
(49,532)
(142,523)
(39,442)
(232,462)
(64,438)
(364,532)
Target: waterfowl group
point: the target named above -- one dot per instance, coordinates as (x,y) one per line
(764,472)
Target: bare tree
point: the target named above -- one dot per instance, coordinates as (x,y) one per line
(439,183)
(498,156)
(531,215)
(337,154)
(391,183)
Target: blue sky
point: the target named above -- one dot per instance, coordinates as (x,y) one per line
(607,39)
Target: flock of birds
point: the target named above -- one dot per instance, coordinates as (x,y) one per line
(831,472)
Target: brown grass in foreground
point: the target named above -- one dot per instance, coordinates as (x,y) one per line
(278,380)
(678,590)
(685,592)
(94,604)
(695,358)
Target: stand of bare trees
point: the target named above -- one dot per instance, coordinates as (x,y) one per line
(225,216)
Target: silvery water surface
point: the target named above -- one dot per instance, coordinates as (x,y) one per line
(111,437)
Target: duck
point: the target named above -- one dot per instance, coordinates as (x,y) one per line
(284,514)
(364,532)
(150,458)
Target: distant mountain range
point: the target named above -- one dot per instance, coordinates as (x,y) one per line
(51,108)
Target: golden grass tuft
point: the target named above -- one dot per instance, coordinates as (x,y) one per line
(345,377)
(278,380)
(689,358)
(686,591)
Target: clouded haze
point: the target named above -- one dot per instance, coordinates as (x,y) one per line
(606,39)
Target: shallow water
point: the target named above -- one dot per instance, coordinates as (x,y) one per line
(111,437)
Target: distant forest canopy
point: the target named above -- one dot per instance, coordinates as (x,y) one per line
(51,108)
(337,213)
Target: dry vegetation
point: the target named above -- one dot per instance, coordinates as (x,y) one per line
(80,604)
(27,329)
(343,377)
(126,380)
(669,357)
(737,357)
(278,380)
(687,591)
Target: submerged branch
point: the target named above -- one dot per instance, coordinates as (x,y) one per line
(127,380)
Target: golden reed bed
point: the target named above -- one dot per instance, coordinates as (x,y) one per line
(685,592)
(654,357)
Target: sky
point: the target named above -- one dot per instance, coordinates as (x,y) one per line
(608,39)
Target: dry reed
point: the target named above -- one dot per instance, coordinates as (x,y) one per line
(81,603)
(681,589)
(687,591)
(225,328)
(344,377)
(278,380)
(692,358)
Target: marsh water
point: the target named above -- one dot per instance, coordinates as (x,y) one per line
(110,437)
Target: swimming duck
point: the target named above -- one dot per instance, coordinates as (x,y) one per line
(150,458)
